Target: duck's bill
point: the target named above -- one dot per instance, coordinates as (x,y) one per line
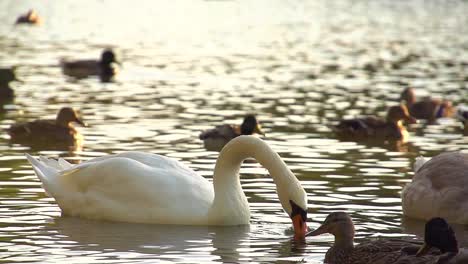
(423,250)
(300,227)
(321,230)
(258,130)
(79,121)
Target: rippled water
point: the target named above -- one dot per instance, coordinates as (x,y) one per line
(190,65)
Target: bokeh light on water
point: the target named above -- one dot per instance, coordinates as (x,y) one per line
(190,65)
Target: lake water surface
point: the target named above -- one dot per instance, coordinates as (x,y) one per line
(189,65)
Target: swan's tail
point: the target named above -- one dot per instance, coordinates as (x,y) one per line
(419,162)
(48,170)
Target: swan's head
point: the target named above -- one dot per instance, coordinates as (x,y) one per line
(293,198)
(299,218)
(438,234)
(339,224)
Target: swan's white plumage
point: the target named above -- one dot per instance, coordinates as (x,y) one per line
(130,187)
(148,188)
(439,189)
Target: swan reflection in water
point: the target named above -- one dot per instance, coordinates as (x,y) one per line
(172,242)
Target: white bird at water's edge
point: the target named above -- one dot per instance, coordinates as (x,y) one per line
(149,188)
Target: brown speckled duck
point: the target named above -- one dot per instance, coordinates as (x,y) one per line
(53,132)
(215,139)
(384,250)
(30,17)
(376,129)
(106,68)
(429,109)
(7,75)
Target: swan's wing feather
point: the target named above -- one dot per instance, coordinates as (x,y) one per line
(125,187)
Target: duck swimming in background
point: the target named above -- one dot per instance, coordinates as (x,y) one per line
(7,75)
(106,68)
(215,139)
(438,188)
(379,251)
(429,109)
(31,17)
(59,131)
(376,129)
(143,187)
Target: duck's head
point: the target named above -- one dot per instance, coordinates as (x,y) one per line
(66,115)
(399,113)
(408,96)
(7,75)
(250,126)
(30,17)
(339,224)
(438,234)
(108,57)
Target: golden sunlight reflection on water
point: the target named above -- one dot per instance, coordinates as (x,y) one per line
(190,65)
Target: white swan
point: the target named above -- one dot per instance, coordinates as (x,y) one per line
(438,189)
(148,188)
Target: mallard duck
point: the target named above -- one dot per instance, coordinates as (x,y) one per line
(7,75)
(438,189)
(58,131)
(376,251)
(148,188)
(439,234)
(106,68)
(215,139)
(429,109)
(374,128)
(30,17)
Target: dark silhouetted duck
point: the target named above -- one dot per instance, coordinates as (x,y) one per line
(462,115)
(383,250)
(30,17)
(215,139)
(7,75)
(440,235)
(106,68)
(429,109)
(49,132)
(438,188)
(377,129)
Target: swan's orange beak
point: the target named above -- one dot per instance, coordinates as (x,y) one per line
(300,227)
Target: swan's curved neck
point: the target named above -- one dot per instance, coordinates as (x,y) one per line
(229,197)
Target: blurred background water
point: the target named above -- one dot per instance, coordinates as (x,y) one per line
(190,65)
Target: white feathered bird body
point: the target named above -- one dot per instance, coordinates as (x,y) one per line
(142,187)
(121,187)
(439,189)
